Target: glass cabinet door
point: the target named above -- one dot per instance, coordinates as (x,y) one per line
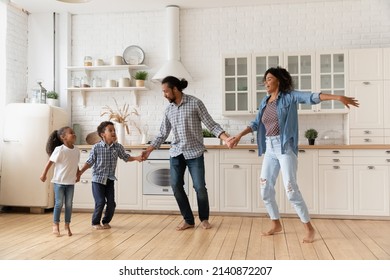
(261,63)
(236,85)
(301,69)
(331,78)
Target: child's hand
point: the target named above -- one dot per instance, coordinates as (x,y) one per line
(43,178)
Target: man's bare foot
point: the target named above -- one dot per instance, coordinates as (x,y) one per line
(67,228)
(275,228)
(205,224)
(183,226)
(56,230)
(310,233)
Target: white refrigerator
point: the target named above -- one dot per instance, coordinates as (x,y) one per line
(27,127)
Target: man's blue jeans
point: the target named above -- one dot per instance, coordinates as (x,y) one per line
(197,170)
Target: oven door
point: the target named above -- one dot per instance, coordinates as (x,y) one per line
(156,178)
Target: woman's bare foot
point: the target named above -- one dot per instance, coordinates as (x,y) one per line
(205,224)
(67,227)
(310,233)
(56,230)
(275,228)
(183,226)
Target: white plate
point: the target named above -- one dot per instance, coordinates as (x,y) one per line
(133,55)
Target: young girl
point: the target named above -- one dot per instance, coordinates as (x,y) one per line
(60,147)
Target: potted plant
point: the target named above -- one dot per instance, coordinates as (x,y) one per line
(140,77)
(311,134)
(209,138)
(52,98)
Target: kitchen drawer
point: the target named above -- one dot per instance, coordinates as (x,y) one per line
(366,132)
(84,154)
(335,160)
(372,153)
(335,153)
(371,160)
(248,156)
(367,141)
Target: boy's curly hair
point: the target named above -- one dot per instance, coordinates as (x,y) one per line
(102,126)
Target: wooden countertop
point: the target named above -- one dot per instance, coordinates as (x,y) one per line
(253,146)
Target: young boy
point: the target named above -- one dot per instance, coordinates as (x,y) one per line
(103,158)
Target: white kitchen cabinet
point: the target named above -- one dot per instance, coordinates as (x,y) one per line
(129,184)
(365,64)
(236,77)
(83,198)
(336,182)
(105,72)
(301,67)
(236,179)
(211,160)
(236,186)
(307,179)
(369,115)
(386,113)
(260,64)
(371,177)
(331,78)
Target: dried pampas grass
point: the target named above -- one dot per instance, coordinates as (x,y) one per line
(121,115)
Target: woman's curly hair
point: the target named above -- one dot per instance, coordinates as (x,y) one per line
(285,81)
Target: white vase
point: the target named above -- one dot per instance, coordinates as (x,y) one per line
(52,102)
(120,133)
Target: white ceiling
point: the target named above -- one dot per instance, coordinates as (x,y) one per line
(113,6)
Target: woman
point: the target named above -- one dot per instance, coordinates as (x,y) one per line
(277,137)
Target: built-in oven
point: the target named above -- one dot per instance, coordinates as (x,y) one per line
(156,174)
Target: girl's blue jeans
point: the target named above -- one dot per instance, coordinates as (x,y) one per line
(63,193)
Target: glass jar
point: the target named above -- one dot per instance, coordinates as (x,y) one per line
(87,61)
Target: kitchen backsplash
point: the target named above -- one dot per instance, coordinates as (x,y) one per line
(234,30)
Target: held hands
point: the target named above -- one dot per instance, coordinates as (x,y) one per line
(232,141)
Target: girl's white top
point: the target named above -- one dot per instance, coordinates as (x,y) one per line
(66,165)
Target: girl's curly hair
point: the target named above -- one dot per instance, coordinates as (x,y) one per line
(55,139)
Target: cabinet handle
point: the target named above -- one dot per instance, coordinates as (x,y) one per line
(84,181)
(336,152)
(388,160)
(387,152)
(236,166)
(84,151)
(366,83)
(371,167)
(206,151)
(367,132)
(336,167)
(336,160)
(251,151)
(367,140)
(302,151)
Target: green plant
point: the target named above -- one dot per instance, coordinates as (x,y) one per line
(141,75)
(206,133)
(52,95)
(311,133)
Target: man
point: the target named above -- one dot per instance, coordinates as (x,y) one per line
(184,117)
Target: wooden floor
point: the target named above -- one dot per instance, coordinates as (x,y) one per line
(153,237)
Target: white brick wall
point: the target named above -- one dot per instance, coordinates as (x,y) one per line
(208,33)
